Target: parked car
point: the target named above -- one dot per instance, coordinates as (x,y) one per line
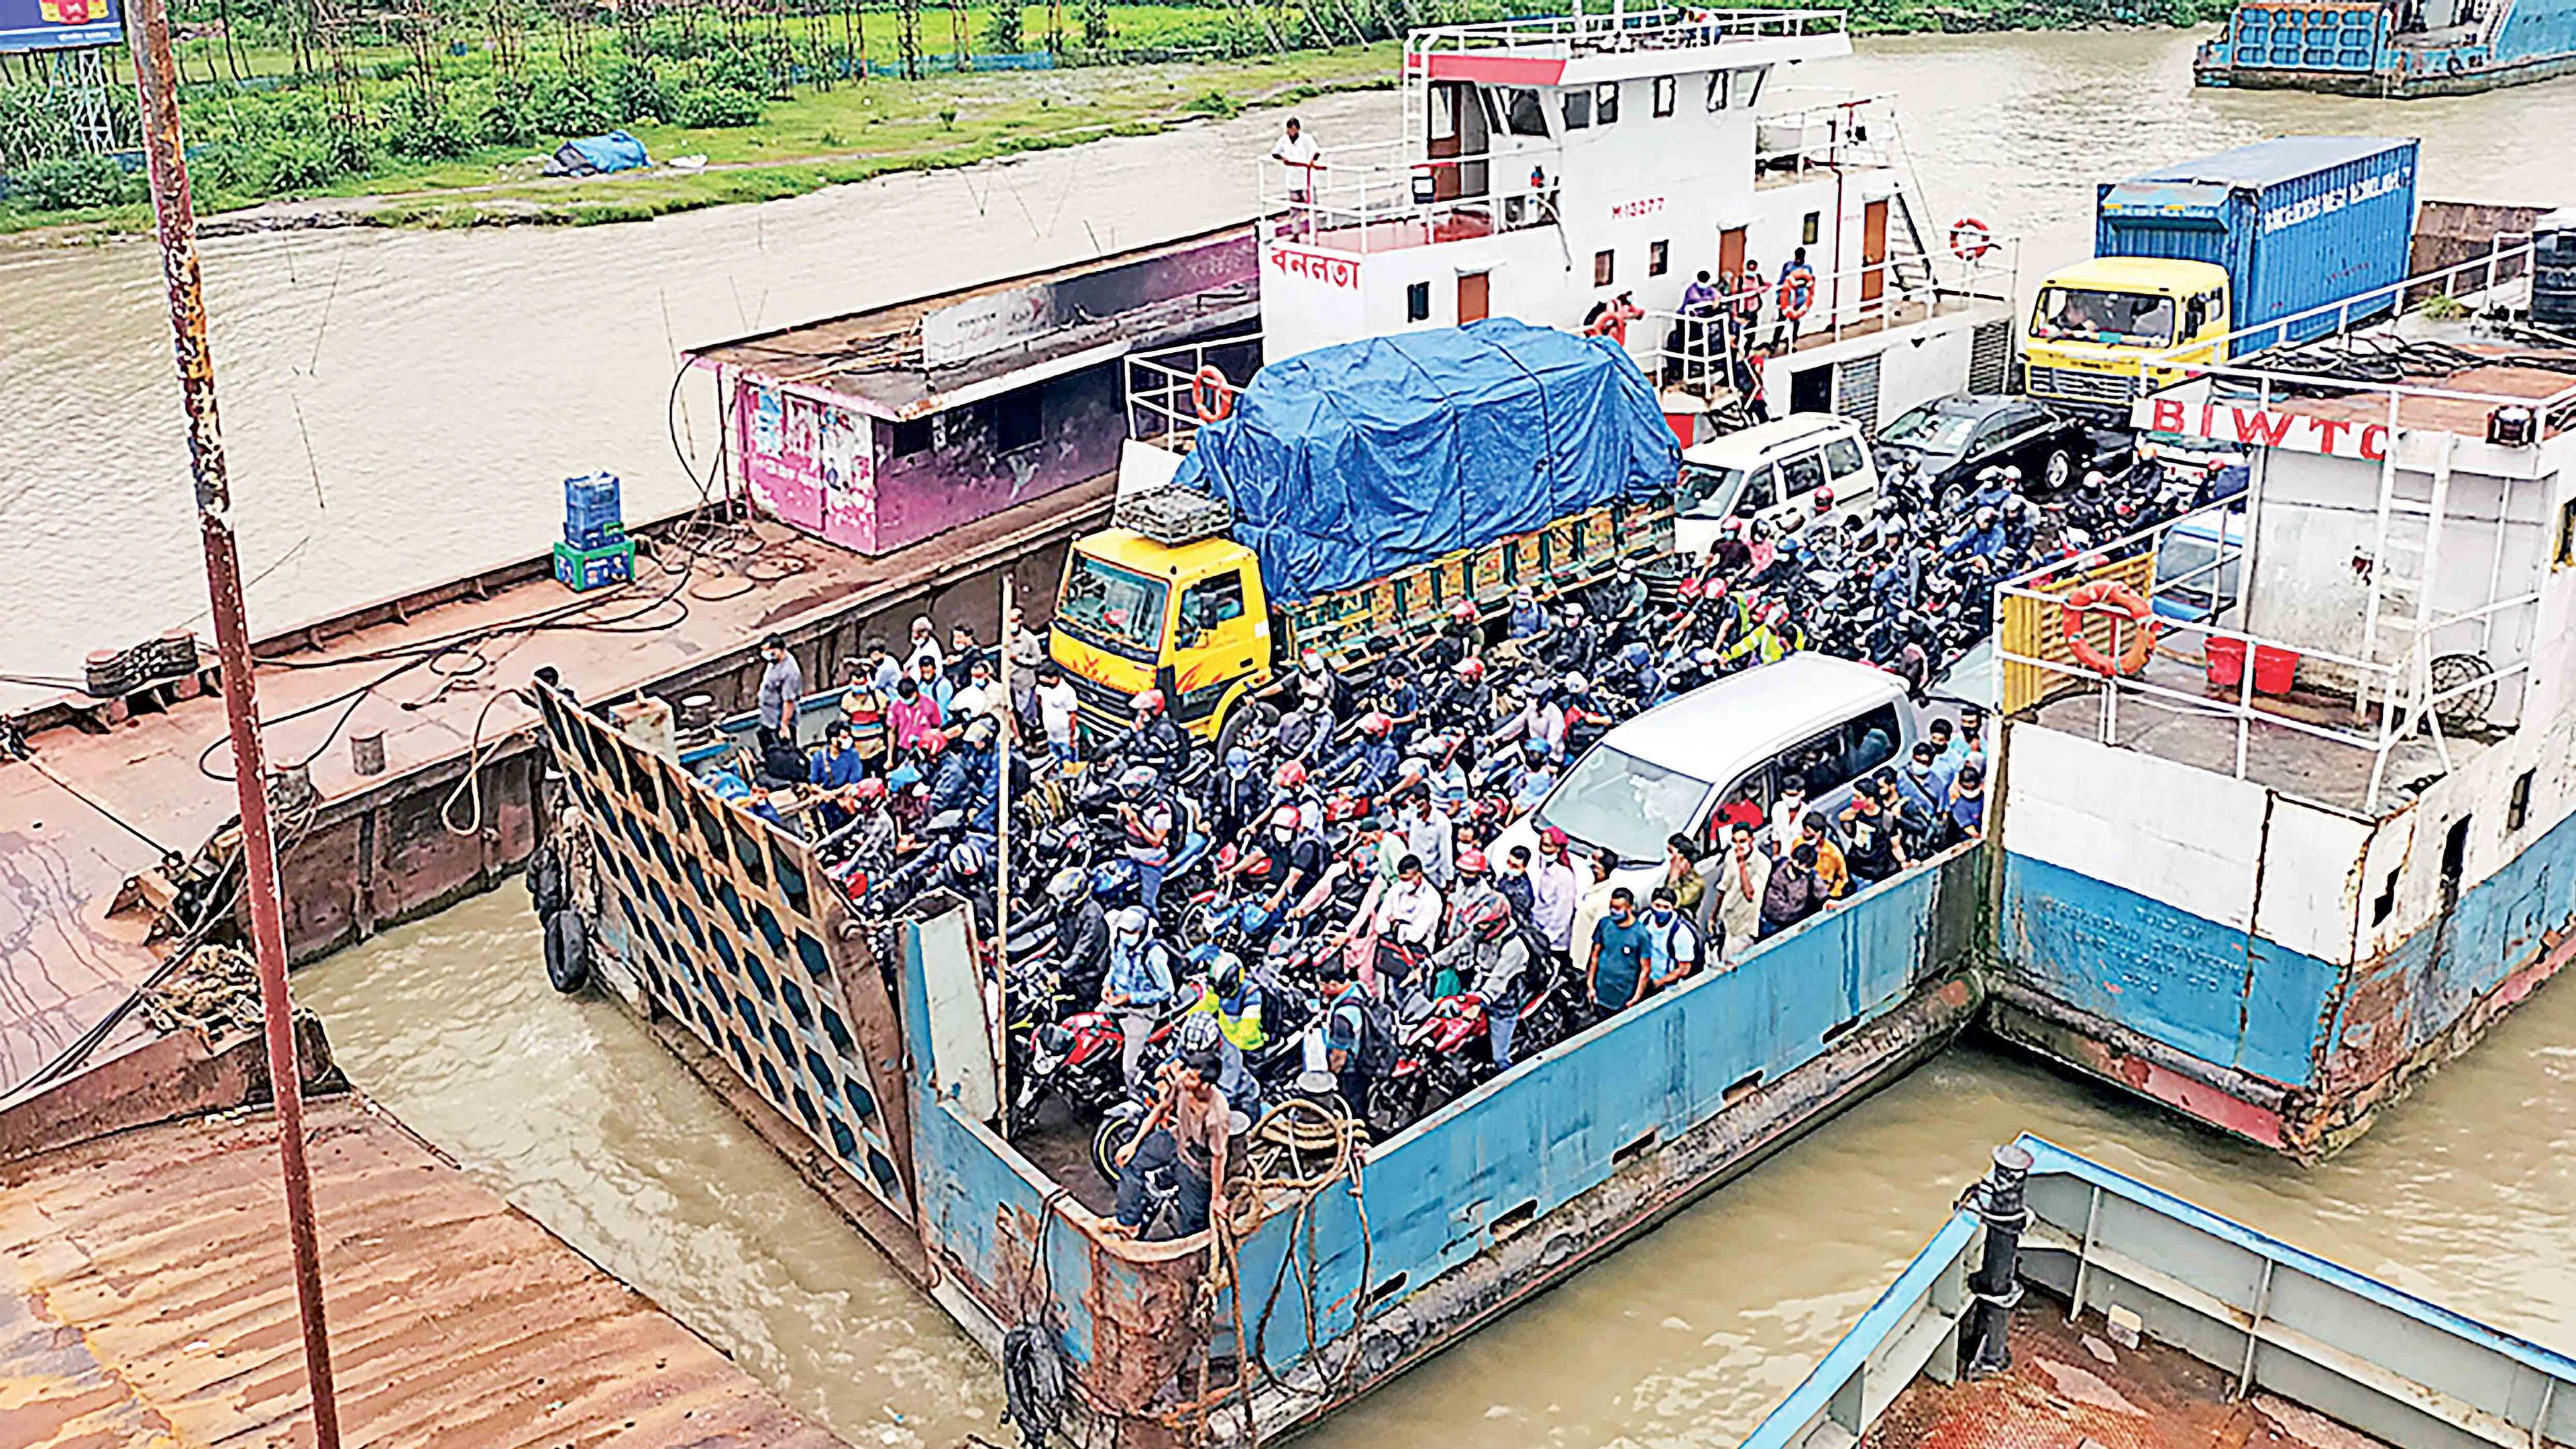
(1772,470)
(1950,439)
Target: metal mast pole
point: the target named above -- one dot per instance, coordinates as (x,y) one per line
(156,79)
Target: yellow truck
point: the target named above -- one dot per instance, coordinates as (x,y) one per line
(1165,598)
(2094,325)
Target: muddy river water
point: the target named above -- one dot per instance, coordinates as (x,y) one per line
(400,408)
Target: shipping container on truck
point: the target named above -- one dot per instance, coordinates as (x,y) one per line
(2188,254)
(1355,495)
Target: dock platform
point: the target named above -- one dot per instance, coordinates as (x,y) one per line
(150,1300)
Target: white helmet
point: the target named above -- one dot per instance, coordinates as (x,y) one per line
(1132,921)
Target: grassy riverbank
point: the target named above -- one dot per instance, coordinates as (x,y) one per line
(444,120)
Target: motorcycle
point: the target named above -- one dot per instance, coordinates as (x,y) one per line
(1442,1052)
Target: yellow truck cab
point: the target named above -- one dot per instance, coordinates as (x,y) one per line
(2095,323)
(1189,618)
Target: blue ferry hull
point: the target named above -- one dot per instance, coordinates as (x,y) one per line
(2349,49)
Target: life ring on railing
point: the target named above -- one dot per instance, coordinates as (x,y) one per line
(1212,395)
(2107,593)
(1970,239)
(1797,293)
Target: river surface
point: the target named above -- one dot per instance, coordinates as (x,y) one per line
(400,408)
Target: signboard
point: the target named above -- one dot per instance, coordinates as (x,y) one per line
(979,325)
(2258,427)
(60,24)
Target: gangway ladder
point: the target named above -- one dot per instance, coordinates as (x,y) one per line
(2398,619)
(1909,261)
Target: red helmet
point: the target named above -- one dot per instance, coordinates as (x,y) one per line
(1487,917)
(1287,815)
(1376,723)
(1471,861)
(1464,611)
(1150,702)
(870,788)
(1471,669)
(933,743)
(1824,498)
(1689,586)
(1291,776)
(1775,614)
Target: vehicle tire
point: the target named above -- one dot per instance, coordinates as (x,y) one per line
(2059,470)
(1392,1107)
(567,951)
(1107,1141)
(1247,714)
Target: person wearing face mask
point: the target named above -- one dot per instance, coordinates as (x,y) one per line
(1295,859)
(1242,797)
(1742,876)
(1614,977)
(1673,946)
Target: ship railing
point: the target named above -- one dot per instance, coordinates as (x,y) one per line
(2198,565)
(1618,30)
(1834,129)
(1702,352)
(1174,390)
(2258,355)
(1380,196)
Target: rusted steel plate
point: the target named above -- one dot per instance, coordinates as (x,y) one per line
(146,1296)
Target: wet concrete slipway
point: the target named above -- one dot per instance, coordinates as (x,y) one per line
(374,382)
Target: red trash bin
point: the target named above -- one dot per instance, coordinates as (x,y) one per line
(2226,660)
(2274,669)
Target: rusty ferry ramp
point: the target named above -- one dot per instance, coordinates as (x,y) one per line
(434,675)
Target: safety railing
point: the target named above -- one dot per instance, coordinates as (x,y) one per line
(2041,616)
(1837,129)
(1384,195)
(2261,357)
(1598,32)
(1173,390)
(1704,351)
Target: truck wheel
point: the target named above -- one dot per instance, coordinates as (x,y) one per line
(2059,469)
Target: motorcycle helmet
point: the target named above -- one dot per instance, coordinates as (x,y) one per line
(1136,780)
(1627,568)
(1131,922)
(868,790)
(1238,762)
(1291,776)
(1471,861)
(1463,611)
(903,777)
(1375,724)
(1286,818)
(1536,750)
(967,859)
(1471,669)
(1150,703)
(981,729)
(1068,885)
(1573,611)
(1574,684)
(1633,656)
(1824,498)
(1226,973)
(934,744)
(1488,917)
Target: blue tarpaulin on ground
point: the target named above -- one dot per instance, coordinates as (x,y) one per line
(615,151)
(1349,463)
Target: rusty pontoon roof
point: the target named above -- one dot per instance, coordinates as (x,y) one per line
(875,356)
(146,1298)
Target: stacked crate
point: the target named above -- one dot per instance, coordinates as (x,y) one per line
(595,551)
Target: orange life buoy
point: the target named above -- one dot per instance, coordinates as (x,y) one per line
(2107,594)
(1970,239)
(1797,293)
(1212,395)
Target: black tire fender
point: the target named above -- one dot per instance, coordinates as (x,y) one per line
(567,951)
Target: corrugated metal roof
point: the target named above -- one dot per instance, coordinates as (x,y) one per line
(146,1298)
(2280,159)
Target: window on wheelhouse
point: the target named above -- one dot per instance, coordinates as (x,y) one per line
(1578,110)
(1522,115)
(1113,608)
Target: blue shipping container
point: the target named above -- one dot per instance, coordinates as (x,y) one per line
(2299,223)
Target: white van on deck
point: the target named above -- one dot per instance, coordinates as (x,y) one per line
(1774,469)
(1692,765)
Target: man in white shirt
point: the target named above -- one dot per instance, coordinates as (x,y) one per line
(1057,704)
(1297,152)
(1432,837)
(925,645)
(1405,910)
(1555,890)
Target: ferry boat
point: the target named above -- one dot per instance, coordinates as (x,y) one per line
(2398,48)
(1548,167)
(2064,1303)
(2279,855)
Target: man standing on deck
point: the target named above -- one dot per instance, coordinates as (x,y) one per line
(1298,152)
(1554,891)
(782,688)
(1615,973)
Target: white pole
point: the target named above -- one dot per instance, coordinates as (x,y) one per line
(1001,1017)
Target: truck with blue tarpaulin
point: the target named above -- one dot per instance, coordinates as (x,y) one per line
(1351,496)
(2191,262)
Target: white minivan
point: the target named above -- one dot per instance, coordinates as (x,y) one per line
(1774,470)
(1693,765)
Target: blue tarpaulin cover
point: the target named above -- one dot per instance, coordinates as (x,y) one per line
(1349,463)
(615,151)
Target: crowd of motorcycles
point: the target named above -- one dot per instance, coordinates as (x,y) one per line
(1481,716)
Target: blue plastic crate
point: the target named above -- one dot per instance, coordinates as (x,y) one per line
(593,515)
(584,569)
